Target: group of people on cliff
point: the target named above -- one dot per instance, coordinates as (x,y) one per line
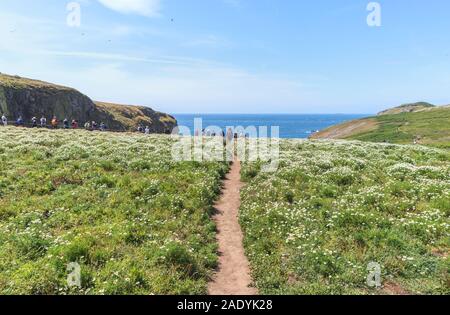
(54,123)
(143,129)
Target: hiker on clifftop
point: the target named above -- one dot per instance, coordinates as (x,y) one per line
(4,120)
(55,122)
(33,122)
(147,130)
(19,121)
(87,125)
(74,124)
(102,126)
(229,135)
(43,122)
(66,123)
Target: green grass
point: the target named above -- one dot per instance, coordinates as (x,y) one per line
(17,82)
(432,126)
(333,207)
(136,222)
(139,223)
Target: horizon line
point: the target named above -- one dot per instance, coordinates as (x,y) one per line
(272,113)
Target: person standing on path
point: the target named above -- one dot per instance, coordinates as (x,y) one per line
(66,123)
(33,122)
(19,121)
(4,120)
(55,122)
(74,124)
(43,122)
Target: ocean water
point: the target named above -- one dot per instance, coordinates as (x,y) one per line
(291,126)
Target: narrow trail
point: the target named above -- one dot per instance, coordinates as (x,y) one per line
(233,275)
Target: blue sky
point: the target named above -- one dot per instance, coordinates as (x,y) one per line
(235,56)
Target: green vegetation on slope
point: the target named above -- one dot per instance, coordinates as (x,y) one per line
(17,82)
(136,222)
(408,108)
(429,127)
(333,207)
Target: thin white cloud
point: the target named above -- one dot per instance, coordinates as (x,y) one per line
(148,8)
(109,56)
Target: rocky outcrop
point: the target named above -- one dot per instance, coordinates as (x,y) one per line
(117,116)
(407,108)
(28,98)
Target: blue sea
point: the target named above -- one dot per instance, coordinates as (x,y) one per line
(291,125)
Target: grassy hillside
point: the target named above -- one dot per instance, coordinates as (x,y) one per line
(430,126)
(18,82)
(131,116)
(408,108)
(136,222)
(333,207)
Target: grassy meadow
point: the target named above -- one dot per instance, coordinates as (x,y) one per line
(333,207)
(136,222)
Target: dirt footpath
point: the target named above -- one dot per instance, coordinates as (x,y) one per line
(233,276)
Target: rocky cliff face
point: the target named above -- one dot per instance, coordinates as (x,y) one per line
(28,98)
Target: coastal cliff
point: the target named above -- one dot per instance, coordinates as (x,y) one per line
(28,98)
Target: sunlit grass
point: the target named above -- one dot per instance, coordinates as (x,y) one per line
(313,226)
(136,222)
